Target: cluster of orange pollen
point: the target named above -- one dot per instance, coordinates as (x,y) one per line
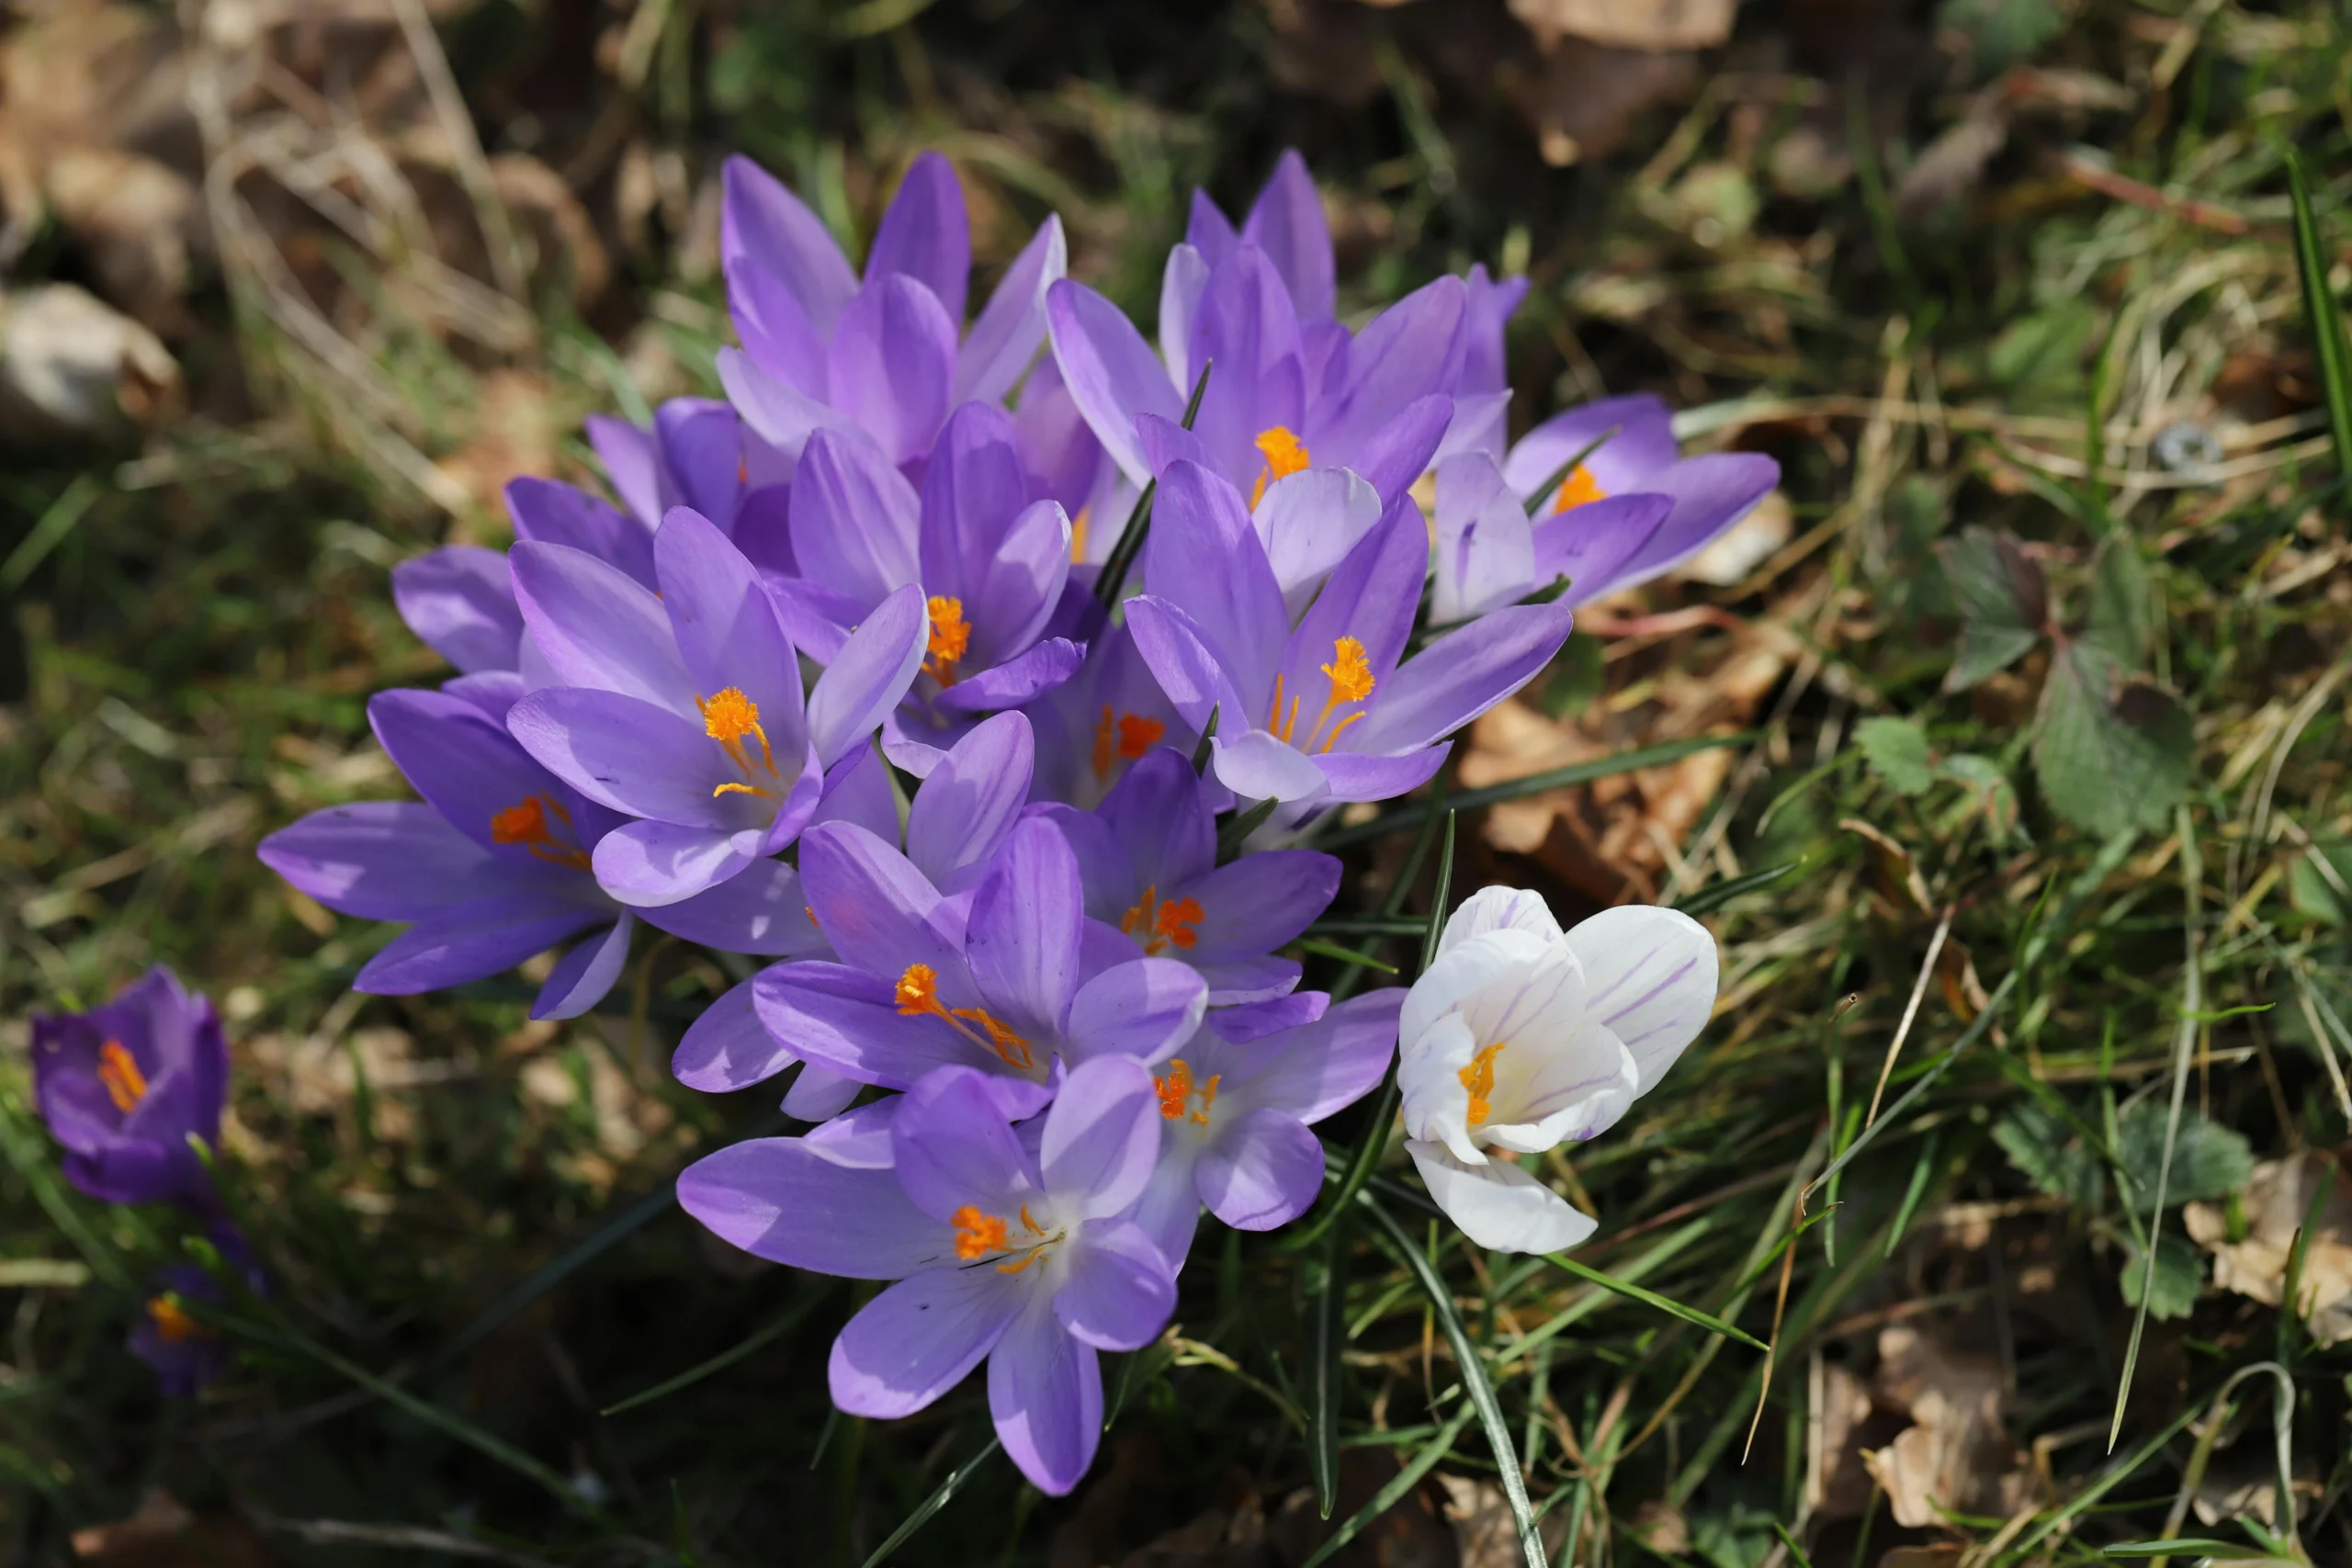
(1349,673)
(917,995)
(1285,455)
(1478,1077)
(1176,1090)
(1578,489)
(1160,922)
(951,637)
(172,1321)
(126,1085)
(728,715)
(980,1235)
(542,825)
(1128,735)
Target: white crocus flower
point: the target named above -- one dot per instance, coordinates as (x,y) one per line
(1521,1036)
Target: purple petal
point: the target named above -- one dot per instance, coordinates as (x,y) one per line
(381,860)
(779,413)
(1486,547)
(1286,222)
(702,442)
(1257,766)
(1204,556)
(973,487)
(468,767)
(1328,1064)
(1261,1170)
(858,789)
(1462,675)
(1145,1009)
(1642,448)
(1235,982)
(1596,545)
(847,1020)
(1173,650)
(1358,776)
(877,909)
(648,864)
(1308,523)
(1110,372)
(1245,325)
(1209,230)
(758,910)
(633,463)
(1372,597)
(1409,351)
(774,328)
(953,1149)
(919,1339)
(854,519)
(494,692)
(1018,681)
(1255,1021)
(1046,1392)
(1257,903)
(1170,1211)
(869,676)
(1164,442)
(1101,1137)
(460,603)
(726,626)
(547,512)
(971,800)
(599,630)
(1012,326)
(473,940)
(765,224)
(1180,284)
(1162,820)
(582,977)
(1398,453)
(891,362)
(727,1047)
(1120,1291)
(819,1093)
(1022,941)
(859,1139)
(627,754)
(925,234)
(1710,493)
(780,1200)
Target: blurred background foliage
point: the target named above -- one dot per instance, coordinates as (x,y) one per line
(2017,793)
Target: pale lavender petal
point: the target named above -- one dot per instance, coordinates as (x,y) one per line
(702,443)
(598,628)
(582,977)
(1286,221)
(1169,1210)
(1145,1009)
(1207,229)
(1245,325)
(1651,975)
(951,1148)
(925,234)
(1641,448)
(919,1339)
(1110,372)
(648,864)
(629,755)
(819,1093)
(1261,1170)
(778,1200)
(726,626)
(858,789)
(1308,521)
(1462,675)
(1101,1137)
(1023,938)
(1013,592)
(494,692)
(973,486)
(1018,681)
(633,464)
(1235,982)
(1372,597)
(1165,442)
(381,860)
(891,362)
(460,603)
(779,413)
(815,617)
(1257,766)
(1255,903)
(1596,545)
(972,799)
(1486,547)
(547,511)
(1329,1063)
(859,1139)
(1358,776)
(847,1020)
(760,910)
(1710,493)
(1180,282)
(1046,1392)
(1012,327)
(869,676)
(1409,351)
(473,940)
(761,220)
(774,328)
(1255,1021)
(877,910)
(1398,453)
(1205,558)
(1172,647)
(1121,1291)
(854,519)
(727,1047)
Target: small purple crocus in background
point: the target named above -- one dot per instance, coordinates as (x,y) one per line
(1149,858)
(124,1086)
(185,1355)
(1238,1113)
(1631,509)
(1326,711)
(824,350)
(1025,1259)
(682,710)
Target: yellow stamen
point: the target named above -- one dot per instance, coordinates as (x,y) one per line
(1349,673)
(917,995)
(1077,535)
(918,990)
(126,1085)
(1478,1077)
(1577,489)
(1284,725)
(1285,455)
(951,635)
(728,715)
(172,1321)
(977,1234)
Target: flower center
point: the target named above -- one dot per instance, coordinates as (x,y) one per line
(1349,673)
(172,1321)
(1285,455)
(951,635)
(1128,735)
(1077,535)
(1162,921)
(1478,1077)
(727,716)
(1578,489)
(917,995)
(980,1235)
(126,1085)
(526,823)
(1176,1092)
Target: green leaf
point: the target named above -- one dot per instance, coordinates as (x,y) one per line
(2180,1274)
(1984,779)
(1577,674)
(2114,752)
(2323,315)
(931,1505)
(2320,885)
(1715,895)
(2004,604)
(1403,1482)
(2043,352)
(1650,1298)
(2209,1160)
(2045,1150)
(2002,32)
(1897,750)
(1328,1300)
(2123,609)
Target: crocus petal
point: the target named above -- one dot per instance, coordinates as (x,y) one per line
(582,977)
(860,1139)
(845,1020)
(1639,446)
(1101,1137)
(632,460)
(473,940)
(819,1093)
(466,766)
(1411,350)
(1017,680)
(1022,941)
(973,485)
(775,328)
(779,413)
(1012,325)
(1497,1205)
(1597,545)
(1308,521)
(761,220)
(925,234)
(760,909)
(1462,675)
(1145,1008)
(627,753)
(1710,494)
(918,1339)
(727,1047)
(460,604)
(877,909)
(1180,282)
(1261,1170)
(1110,372)
(1356,776)
(1245,325)
(547,511)
(869,676)
(1651,975)
(1207,229)
(972,799)
(1257,903)
(1255,1021)
(780,1200)
(1486,546)
(1331,1061)
(1397,453)
(494,692)
(1120,1291)
(854,519)
(381,860)
(859,789)
(891,362)
(725,624)
(1165,442)
(648,865)
(1161,825)
(1204,556)
(1463,969)
(1046,1393)
(1257,766)
(1286,222)
(952,1150)
(1371,597)
(598,628)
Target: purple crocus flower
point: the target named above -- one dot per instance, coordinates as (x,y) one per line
(1482,398)
(682,710)
(824,350)
(1322,712)
(185,1355)
(1093,728)
(990,558)
(1011,978)
(1023,1258)
(1149,858)
(1238,1113)
(124,1086)
(1630,511)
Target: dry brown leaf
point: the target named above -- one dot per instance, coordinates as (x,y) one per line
(1629,24)
(71,364)
(163,1534)
(1584,103)
(1485,1532)
(1845,1484)
(1956,1452)
(2275,1200)
(1952,163)
(515,432)
(139,219)
(1661,1526)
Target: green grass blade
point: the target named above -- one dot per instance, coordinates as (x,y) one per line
(1403,1483)
(1415,814)
(1650,1298)
(30,1161)
(1927,1080)
(814,1291)
(1441,901)
(1590,1301)
(1238,828)
(1715,895)
(931,1505)
(1473,1377)
(1324,1385)
(606,1236)
(1344,954)
(2323,315)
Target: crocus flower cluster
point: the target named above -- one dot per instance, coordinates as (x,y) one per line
(835,680)
(129,1090)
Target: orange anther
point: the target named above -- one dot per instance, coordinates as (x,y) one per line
(977,1234)
(1578,489)
(951,635)
(1478,1077)
(118,1070)
(728,715)
(170,1320)
(1285,455)
(1138,735)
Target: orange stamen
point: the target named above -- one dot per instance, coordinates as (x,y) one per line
(527,822)
(1176,1090)
(1577,489)
(1478,1077)
(1349,673)
(728,715)
(126,1085)
(1077,535)
(170,1320)
(951,635)
(1102,745)
(1285,455)
(1162,921)
(977,1234)
(1138,735)
(917,996)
